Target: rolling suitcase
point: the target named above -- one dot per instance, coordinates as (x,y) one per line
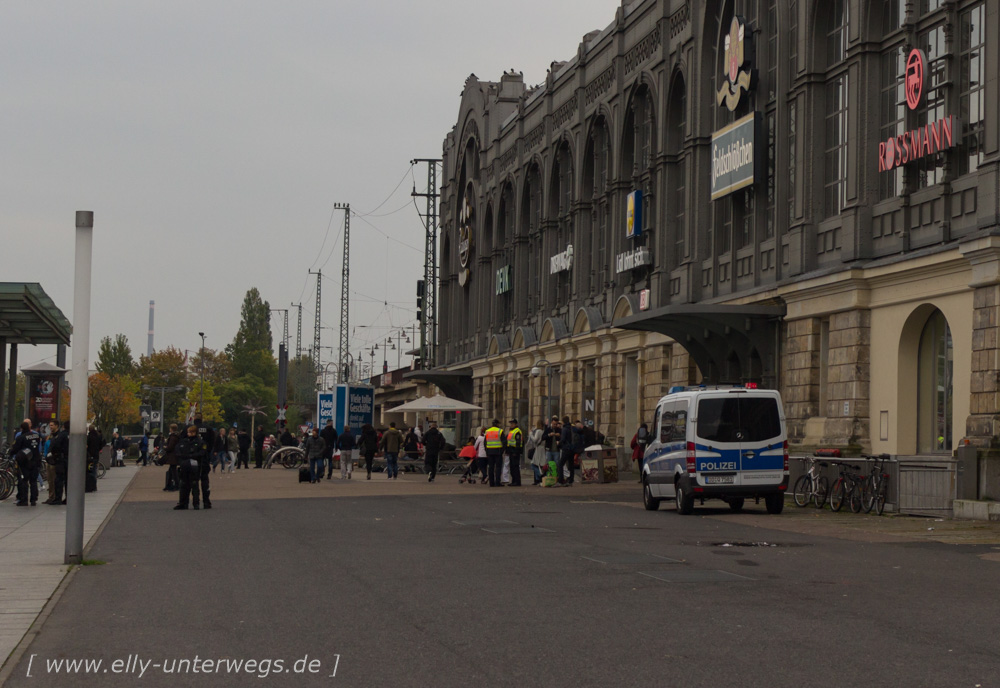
(303,475)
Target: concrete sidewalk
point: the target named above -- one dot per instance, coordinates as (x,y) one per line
(32,548)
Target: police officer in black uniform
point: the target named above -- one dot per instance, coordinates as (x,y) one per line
(29,460)
(192,456)
(207,436)
(59,449)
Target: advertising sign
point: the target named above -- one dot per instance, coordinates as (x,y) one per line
(632,260)
(503,280)
(43,404)
(561,262)
(739,75)
(346,405)
(633,215)
(929,139)
(733,161)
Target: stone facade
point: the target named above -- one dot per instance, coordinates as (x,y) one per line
(859,257)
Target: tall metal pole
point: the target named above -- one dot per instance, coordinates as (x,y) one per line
(298,333)
(343,354)
(77,463)
(428,325)
(319,312)
(201,390)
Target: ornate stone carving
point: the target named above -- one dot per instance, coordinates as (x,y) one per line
(600,85)
(534,137)
(564,113)
(679,20)
(642,50)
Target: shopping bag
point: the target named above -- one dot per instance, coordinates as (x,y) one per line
(505,474)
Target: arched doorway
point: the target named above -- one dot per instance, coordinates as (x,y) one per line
(935,396)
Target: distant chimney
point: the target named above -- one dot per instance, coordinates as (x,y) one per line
(149,343)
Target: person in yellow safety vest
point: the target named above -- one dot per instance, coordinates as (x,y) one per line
(494,452)
(514,444)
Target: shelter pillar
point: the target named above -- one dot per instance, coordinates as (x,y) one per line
(12,393)
(3,367)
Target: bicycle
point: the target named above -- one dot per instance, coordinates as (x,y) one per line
(811,485)
(876,485)
(847,488)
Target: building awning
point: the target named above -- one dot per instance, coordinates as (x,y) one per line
(456,384)
(29,316)
(728,343)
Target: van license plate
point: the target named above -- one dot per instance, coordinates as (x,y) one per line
(719,479)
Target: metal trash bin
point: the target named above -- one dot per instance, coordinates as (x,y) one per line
(599,465)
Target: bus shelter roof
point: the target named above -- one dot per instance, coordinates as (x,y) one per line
(29,316)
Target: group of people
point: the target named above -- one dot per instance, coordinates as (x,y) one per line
(557,442)
(321,448)
(32,452)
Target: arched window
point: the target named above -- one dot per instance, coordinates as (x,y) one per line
(832,36)
(734,223)
(560,234)
(594,244)
(638,149)
(503,259)
(528,288)
(677,171)
(934,387)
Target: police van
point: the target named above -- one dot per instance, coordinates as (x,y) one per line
(725,443)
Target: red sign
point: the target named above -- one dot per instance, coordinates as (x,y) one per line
(926,140)
(914,78)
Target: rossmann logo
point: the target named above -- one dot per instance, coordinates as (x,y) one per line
(921,142)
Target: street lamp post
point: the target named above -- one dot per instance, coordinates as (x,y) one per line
(163,391)
(201,390)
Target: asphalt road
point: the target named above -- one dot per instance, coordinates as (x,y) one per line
(416,591)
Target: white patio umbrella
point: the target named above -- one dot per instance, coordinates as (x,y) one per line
(438,402)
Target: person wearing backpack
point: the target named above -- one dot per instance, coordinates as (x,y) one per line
(58,455)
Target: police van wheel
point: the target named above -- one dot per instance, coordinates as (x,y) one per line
(685,502)
(648,500)
(775,503)
(736,504)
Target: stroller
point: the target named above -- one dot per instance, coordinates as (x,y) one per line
(469,453)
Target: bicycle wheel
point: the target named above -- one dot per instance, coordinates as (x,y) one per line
(7,483)
(101,470)
(880,496)
(821,492)
(868,494)
(855,497)
(837,494)
(802,490)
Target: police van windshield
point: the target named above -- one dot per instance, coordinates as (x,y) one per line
(738,419)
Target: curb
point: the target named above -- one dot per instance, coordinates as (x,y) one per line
(7,667)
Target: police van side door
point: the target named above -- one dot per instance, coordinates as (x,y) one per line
(655,457)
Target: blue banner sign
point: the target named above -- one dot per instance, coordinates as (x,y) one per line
(346,405)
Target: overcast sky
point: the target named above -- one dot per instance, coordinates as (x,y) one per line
(211,139)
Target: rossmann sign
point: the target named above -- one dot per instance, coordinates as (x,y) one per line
(923,141)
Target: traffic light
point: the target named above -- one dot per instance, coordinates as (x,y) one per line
(420,300)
